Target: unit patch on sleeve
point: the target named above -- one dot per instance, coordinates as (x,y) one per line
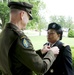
(25,43)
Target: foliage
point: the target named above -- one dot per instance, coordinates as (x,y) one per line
(4,13)
(72,48)
(71,33)
(65,22)
(37,22)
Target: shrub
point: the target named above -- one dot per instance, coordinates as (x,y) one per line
(71,33)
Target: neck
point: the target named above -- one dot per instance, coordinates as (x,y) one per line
(16,24)
(15,21)
(54,42)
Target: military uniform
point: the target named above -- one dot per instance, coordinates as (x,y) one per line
(63,63)
(17,56)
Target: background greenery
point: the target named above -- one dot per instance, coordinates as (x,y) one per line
(71,33)
(39,21)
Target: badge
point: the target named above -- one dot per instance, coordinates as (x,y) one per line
(25,43)
(53,26)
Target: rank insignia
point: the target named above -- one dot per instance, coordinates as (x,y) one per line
(25,43)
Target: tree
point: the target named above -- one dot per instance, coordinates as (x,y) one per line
(37,5)
(69,23)
(4,13)
(65,22)
(38,21)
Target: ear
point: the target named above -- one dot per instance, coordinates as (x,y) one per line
(21,15)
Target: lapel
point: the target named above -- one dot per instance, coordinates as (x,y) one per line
(59,44)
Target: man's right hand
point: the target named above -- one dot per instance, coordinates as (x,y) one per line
(55,50)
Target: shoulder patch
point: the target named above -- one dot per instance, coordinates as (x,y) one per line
(25,43)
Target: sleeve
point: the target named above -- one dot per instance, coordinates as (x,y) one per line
(26,55)
(39,53)
(67,60)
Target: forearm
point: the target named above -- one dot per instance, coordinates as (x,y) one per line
(34,62)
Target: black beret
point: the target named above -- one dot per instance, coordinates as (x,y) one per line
(54,26)
(21,6)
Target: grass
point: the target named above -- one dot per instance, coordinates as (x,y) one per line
(38,42)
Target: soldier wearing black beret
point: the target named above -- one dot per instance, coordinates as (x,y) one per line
(63,63)
(17,55)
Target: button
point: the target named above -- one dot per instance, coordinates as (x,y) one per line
(51,70)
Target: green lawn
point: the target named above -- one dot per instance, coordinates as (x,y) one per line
(38,42)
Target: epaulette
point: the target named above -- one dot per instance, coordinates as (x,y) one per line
(24,36)
(20,34)
(65,44)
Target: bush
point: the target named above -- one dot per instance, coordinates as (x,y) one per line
(71,33)
(73,64)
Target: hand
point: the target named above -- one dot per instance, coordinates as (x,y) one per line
(55,50)
(45,49)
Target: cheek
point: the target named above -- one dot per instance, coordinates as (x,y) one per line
(52,38)
(26,20)
(49,38)
(56,36)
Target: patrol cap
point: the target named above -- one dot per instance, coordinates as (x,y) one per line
(21,6)
(57,28)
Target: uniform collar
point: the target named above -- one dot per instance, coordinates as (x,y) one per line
(15,29)
(51,45)
(12,26)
